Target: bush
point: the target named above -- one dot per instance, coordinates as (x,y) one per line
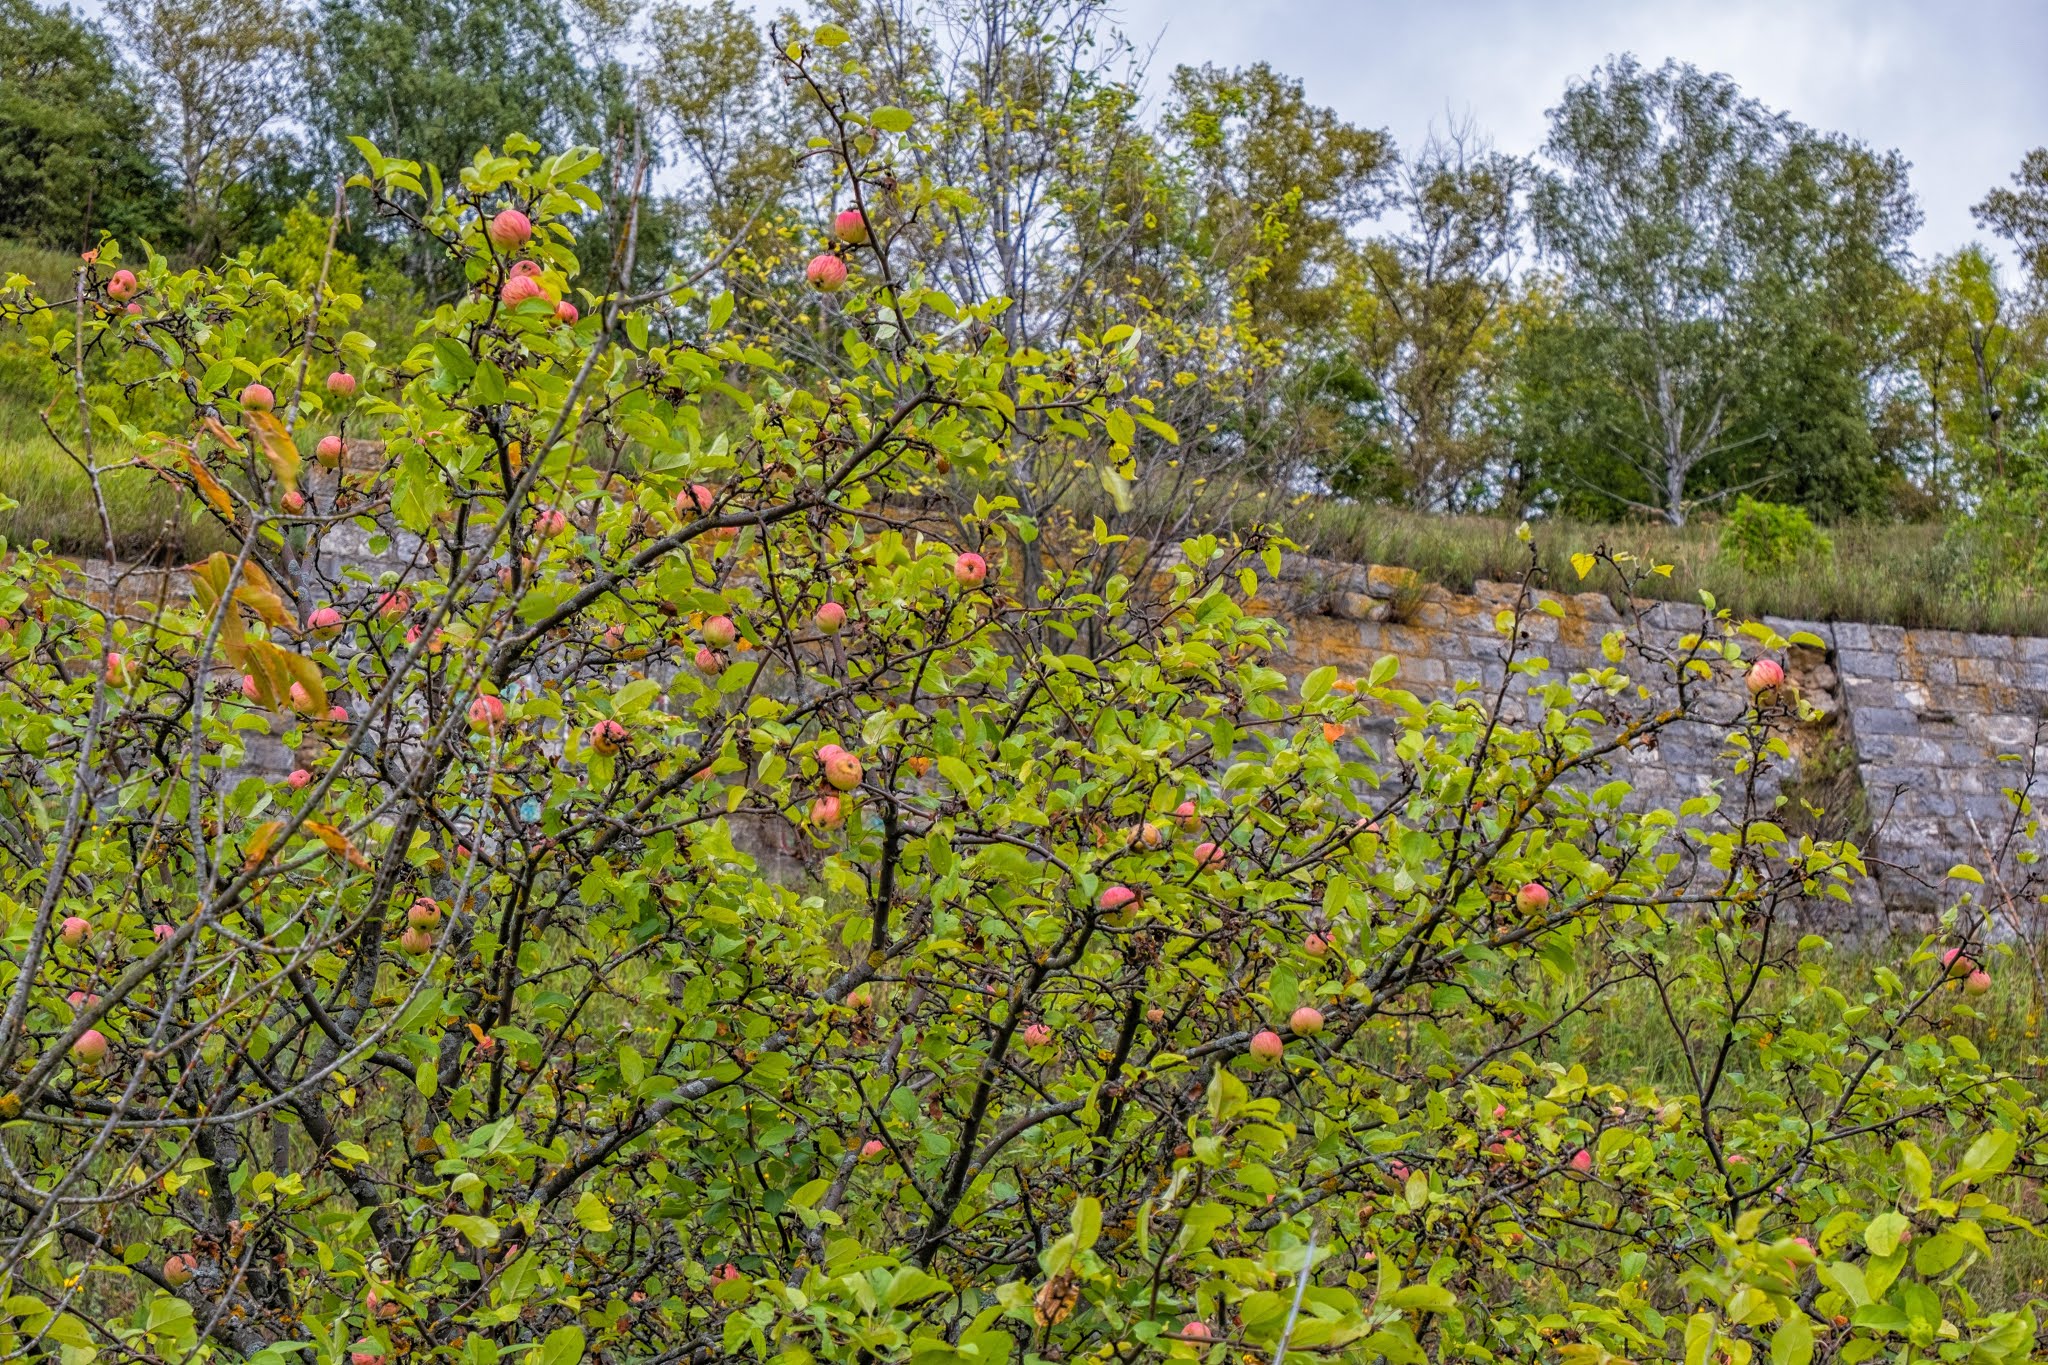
(1769,537)
(1103,1000)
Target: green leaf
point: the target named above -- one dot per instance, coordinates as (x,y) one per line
(721,309)
(1792,1343)
(1883,1233)
(564,1346)
(1919,1170)
(890,119)
(478,1232)
(1316,685)
(1963,872)
(1423,1298)
(1087,1222)
(1988,1155)
(831,35)
(592,1214)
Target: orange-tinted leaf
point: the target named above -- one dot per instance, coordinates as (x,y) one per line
(278,448)
(210,488)
(337,843)
(260,840)
(223,435)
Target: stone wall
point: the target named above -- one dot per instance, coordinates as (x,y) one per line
(1922,732)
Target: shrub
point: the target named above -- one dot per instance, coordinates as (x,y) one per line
(1769,537)
(1104,1000)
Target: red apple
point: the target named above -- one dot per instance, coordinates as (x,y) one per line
(298,779)
(1155,1016)
(341,383)
(709,662)
(1187,816)
(328,451)
(134,310)
(116,671)
(122,285)
(695,500)
(293,502)
(1208,856)
(1114,898)
(163,932)
(250,691)
(607,736)
(719,632)
(551,523)
(1582,1161)
(74,930)
(394,604)
(510,230)
(1765,675)
(519,289)
(969,569)
(851,227)
(842,770)
(826,273)
(91,1048)
(486,714)
(1306,1020)
(1532,899)
(1977,982)
(180,1268)
(1196,1331)
(423,913)
(258,397)
(831,616)
(337,715)
(1149,835)
(566,314)
(872,1148)
(827,811)
(1315,945)
(325,623)
(530,269)
(1954,963)
(416,941)
(1037,1035)
(1266,1045)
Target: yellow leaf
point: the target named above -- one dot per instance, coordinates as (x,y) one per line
(209,487)
(277,444)
(1584,563)
(1963,872)
(260,840)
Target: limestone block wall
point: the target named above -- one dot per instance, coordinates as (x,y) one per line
(1924,732)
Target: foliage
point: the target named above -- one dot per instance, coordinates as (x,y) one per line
(2020,214)
(73,134)
(512,1026)
(1770,537)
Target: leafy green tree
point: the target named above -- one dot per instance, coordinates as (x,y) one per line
(2020,214)
(1726,276)
(224,76)
(74,136)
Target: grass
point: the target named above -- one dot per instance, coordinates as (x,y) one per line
(151,520)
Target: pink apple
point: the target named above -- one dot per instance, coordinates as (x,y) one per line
(566,314)
(341,383)
(851,227)
(394,604)
(1266,1045)
(551,523)
(1582,1161)
(1149,835)
(365,1358)
(1532,899)
(843,771)
(328,451)
(510,230)
(249,689)
(709,662)
(607,736)
(78,1000)
(134,310)
(416,941)
(337,715)
(872,1148)
(122,285)
(301,699)
(831,616)
(91,1047)
(1037,1035)
(298,779)
(519,289)
(180,1268)
(1306,1020)
(1208,856)
(325,622)
(1954,963)
(1187,817)
(1977,982)
(695,500)
(826,272)
(1155,1016)
(74,930)
(258,397)
(827,811)
(1765,675)
(969,569)
(486,714)
(116,671)
(719,632)
(1196,1331)
(1118,897)
(423,913)
(163,932)
(1315,945)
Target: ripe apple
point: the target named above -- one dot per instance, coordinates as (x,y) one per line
(709,662)
(872,1148)
(1315,945)
(1532,899)
(341,383)
(969,569)
(1148,835)
(1977,982)
(1037,1035)
(719,632)
(1765,675)
(1267,1046)
(423,913)
(1118,897)
(551,524)
(258,397)
(122,286)
(566,314)
(250,691)
(328,451)
(74,930)
(325,623)
(486,714)
(416,941)
(163,932)
(530,269)
(293,502)
(298,779)
(1196,1331)
(1187,816)
(851,227)
(134,310)
(116,671)
(1954,963)
(831,616)
(695,500)
(826,273)
(607,736)
(519,289)
(842,770)
(179,1269)
(1582,1161)
(510,230)
(1208,856)
(1155,1016)
(827,811)
(394,604)
(1306,1020)
(91,1048)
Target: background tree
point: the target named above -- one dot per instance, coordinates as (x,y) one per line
(224,76)
(2020,214)
(74,136)
(1724,274)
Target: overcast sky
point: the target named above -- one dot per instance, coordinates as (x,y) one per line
(1960,88)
